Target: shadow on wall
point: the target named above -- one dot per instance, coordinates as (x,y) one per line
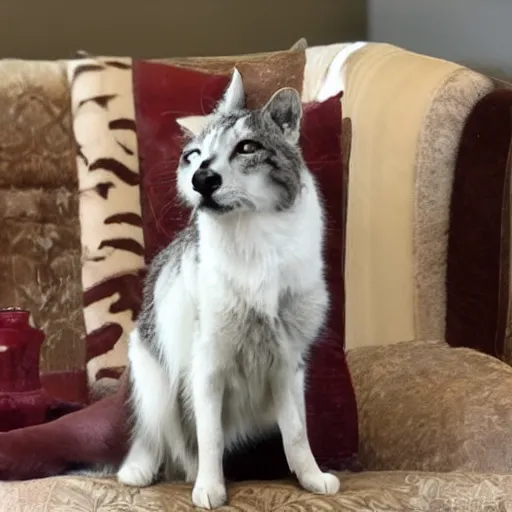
(163,28)
(472,32)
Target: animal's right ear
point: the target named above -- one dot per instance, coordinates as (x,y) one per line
(285,109)
(234,96)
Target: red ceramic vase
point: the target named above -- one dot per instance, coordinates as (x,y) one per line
(23,401)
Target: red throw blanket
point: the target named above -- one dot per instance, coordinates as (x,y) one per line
(98,435)
(94,435)
(43,437)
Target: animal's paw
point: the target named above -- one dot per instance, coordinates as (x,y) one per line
(209,495)
(321,483)
(135,475)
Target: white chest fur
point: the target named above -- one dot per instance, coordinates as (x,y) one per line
(256,258)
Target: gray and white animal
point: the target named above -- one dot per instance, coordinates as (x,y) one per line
(232,306)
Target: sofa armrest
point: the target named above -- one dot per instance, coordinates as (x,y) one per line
(429,407)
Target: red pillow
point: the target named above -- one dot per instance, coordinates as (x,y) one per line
(164,93)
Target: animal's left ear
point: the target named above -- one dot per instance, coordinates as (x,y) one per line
(193,125)
(285,109)
(234,96)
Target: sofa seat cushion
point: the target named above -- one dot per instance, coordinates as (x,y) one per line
(361,492)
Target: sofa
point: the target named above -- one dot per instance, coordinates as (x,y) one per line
(427,150)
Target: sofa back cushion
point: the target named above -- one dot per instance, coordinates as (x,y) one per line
(40,249)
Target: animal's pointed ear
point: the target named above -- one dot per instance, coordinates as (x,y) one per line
(192,126)
(234,96)
(285,109)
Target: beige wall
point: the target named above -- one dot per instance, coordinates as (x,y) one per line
(48,29)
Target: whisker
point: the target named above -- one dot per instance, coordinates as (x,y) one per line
(165,164)
(158,181)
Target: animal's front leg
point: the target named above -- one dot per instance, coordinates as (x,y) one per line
(208,389)
(288,393)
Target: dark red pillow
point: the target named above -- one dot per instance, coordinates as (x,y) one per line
(164,93)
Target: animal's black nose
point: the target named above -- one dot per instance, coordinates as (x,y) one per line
(206,181)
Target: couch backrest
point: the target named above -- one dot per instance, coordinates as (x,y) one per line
(405,118)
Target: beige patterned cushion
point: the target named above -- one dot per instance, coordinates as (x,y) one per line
(362,492)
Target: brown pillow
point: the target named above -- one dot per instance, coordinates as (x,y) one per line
(299,45)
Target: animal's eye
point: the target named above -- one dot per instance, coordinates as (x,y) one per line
(190,155)
(246,147)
